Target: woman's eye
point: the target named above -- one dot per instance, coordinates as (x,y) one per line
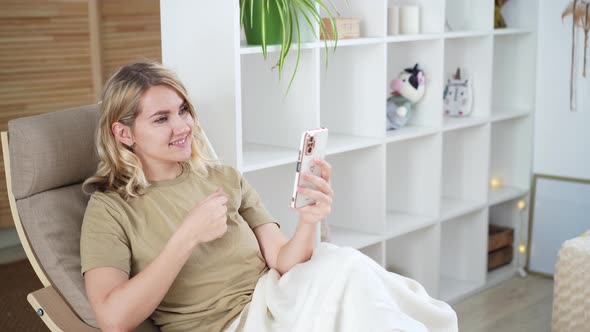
(183,110)
(161,120)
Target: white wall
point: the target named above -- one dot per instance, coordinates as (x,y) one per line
(562,138)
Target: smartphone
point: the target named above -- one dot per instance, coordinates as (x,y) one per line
(313,145)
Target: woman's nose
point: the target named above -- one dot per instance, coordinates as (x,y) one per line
(180,126)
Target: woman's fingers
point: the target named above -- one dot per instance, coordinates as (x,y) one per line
(316,210)
(320,183)
(322,194)
(318,196)
(326,169)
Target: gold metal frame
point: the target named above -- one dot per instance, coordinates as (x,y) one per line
(536,176)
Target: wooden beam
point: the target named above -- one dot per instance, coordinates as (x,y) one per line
(95,51)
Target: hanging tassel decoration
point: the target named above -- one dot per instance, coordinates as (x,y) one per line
(586,28)
(573,105)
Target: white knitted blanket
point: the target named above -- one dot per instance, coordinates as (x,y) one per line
(340,289)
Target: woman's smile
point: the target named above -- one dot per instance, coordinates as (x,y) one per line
(183,142)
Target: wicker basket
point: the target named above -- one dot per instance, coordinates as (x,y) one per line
(347,27)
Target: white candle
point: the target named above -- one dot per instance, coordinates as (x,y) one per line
(409,20)
(393,20)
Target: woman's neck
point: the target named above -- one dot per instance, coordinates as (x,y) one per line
(163,172)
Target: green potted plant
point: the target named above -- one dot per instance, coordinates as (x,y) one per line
(268,22)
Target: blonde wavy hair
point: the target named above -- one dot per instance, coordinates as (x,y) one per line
(119,168)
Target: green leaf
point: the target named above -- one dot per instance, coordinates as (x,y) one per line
(251,14)
(242,11)
(331,17)
(310,4)
(263,24)
(283,8)
(306,16)
(298,29)
(307,9)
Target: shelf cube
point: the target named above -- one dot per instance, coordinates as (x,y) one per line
(463,264)
(469,15)
(472,56)
(401,55)
(351,93)
(514,73)
(413,178)
(510,159)
(420,263)
(465,159)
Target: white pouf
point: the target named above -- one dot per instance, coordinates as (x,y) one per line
(571,292)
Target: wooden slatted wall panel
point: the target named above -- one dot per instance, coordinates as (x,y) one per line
(130,32)
(45,55)
(44,63)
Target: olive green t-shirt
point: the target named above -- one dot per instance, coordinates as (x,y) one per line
(217,281)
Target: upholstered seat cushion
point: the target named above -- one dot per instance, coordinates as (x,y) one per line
(52,221)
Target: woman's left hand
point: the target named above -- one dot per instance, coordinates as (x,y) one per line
(323,195)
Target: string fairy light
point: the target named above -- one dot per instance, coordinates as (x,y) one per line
(495,183)
(521,247)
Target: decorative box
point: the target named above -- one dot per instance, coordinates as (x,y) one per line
(347,27)
(499,237)
(500,250)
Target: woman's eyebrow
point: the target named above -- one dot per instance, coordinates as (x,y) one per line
(162,112)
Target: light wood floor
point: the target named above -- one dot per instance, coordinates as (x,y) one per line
(518,304)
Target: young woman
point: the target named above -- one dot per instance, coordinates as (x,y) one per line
(167,233)
(171,235)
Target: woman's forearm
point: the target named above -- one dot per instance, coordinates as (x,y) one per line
(134,301)
(298,249)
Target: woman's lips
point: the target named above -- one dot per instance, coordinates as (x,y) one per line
(181,142)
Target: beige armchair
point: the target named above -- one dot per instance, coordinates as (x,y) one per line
(46,158)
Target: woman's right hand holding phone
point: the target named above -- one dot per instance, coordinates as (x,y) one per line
(207,221)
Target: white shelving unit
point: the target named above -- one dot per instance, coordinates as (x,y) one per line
(416,200)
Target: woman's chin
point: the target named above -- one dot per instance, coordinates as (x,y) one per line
(185,156)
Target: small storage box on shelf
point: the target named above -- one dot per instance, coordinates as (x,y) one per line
(500,250)
(500,257)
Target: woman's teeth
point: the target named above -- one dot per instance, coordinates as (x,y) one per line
(182,141)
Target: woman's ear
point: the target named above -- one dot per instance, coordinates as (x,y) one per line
(122,133)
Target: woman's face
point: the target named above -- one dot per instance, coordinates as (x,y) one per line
(162,132)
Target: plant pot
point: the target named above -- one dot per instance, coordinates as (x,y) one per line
(253,29)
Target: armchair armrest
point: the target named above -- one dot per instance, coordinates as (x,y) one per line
(59,317)
(55,312)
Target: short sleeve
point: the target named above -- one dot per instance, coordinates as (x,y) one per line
(103,242)
(251,207)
